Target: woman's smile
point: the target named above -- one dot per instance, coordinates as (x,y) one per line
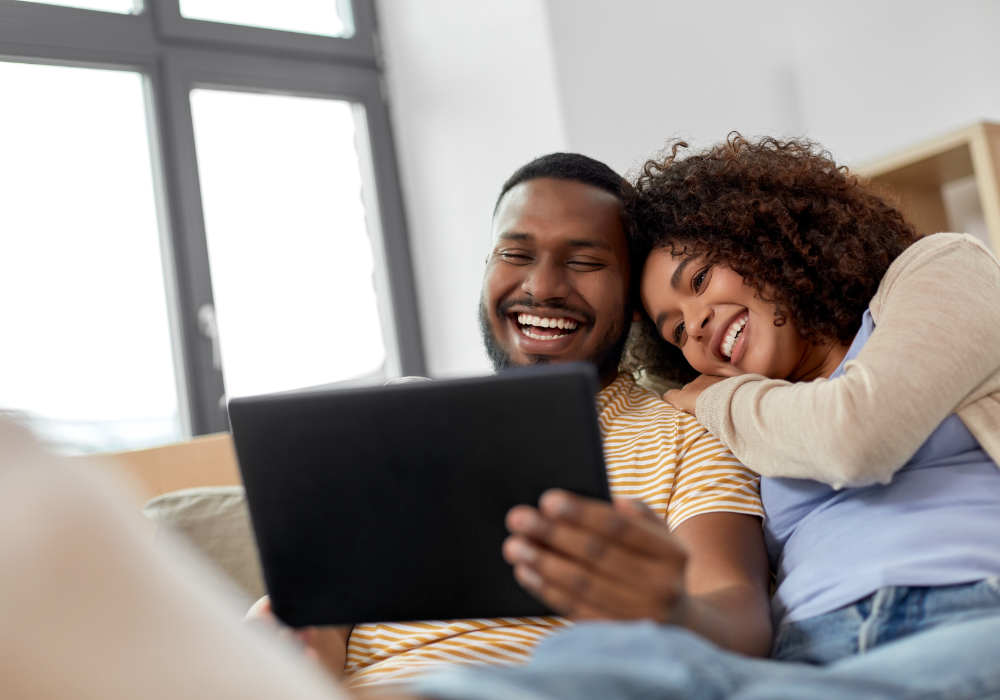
(721,324)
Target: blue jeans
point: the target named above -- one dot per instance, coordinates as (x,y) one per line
(941,643)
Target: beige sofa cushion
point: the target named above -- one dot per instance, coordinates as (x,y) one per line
(216,522)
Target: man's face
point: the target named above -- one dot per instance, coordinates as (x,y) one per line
(556,283)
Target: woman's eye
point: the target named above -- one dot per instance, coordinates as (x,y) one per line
(699,279)
(678,332)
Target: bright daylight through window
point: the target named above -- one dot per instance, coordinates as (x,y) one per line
(121,6)
(324,17)
(291,259)
(87,353)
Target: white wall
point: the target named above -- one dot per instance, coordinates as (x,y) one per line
(473,96)
(863,77)
(479,87)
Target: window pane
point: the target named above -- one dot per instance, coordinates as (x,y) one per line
(125,7)
(86,356)
(291,260)
(325,17)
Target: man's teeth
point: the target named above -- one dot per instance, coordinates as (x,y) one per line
(732,335)
(529,320)
(543,337)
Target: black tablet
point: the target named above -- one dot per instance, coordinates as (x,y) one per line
(388,503)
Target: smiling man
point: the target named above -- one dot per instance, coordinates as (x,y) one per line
(556,282)
(556,289)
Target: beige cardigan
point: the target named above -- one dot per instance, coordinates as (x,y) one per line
(936,351)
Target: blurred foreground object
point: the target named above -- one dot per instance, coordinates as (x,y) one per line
(90,611)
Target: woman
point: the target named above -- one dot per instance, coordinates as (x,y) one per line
(863,383)
(857,369)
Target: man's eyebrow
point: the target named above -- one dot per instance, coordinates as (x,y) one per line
(513,236)
(590,243)
(675,279)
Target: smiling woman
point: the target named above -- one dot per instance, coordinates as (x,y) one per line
(810,256)
(856,368)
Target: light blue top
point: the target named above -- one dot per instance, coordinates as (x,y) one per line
(936,524)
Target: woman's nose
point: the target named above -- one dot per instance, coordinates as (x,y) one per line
(697,321)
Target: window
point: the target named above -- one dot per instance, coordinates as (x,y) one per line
(291,261)
(122,6)
(202,201)
(307,16)
(86,362)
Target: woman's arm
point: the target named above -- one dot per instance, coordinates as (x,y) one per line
(937,338)
(590,560)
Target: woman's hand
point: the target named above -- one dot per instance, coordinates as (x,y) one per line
(686,398)
(589,559)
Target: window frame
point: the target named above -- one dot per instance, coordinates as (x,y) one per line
(176,54)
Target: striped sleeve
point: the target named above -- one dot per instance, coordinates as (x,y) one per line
(398,651)
(708,478)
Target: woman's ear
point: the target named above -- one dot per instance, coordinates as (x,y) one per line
(636,316)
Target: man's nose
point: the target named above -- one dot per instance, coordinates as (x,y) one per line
(546,281)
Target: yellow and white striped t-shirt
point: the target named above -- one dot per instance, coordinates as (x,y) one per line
(653,452)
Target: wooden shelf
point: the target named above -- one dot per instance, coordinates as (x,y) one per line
(917,174)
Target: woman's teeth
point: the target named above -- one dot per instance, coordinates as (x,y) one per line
(527,321)
(734,332)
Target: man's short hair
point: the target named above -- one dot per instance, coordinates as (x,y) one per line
(566,166)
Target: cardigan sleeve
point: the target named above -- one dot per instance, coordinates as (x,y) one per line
(937,337)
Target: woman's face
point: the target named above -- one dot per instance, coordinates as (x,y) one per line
(721,325)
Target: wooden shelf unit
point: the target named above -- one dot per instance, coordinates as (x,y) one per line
(917,174)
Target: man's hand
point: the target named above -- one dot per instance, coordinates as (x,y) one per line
(326,645)
(588,559)
(686,398)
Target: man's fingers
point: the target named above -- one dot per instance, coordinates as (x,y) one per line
(574,591)
(631,530)
(634,585)
(560,600)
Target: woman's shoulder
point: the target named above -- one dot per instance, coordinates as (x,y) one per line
(938,253)
(936,244)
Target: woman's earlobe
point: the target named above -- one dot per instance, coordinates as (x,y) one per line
(636,316)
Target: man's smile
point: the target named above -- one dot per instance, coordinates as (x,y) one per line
(546,327)
(540,331)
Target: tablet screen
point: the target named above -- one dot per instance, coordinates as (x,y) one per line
(388,504)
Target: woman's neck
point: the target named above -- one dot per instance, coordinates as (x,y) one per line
(820,361)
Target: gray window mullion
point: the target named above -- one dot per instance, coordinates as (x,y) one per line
(358,48)
(205,387)
(68,36)
(395,240)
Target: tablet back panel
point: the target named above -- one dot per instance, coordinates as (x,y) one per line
(388,504)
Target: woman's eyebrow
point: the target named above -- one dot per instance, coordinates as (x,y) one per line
(660,320)
(675,279)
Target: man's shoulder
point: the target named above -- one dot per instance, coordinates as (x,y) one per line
(630,407)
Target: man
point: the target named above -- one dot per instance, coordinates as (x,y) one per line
(556,289)
(91,612)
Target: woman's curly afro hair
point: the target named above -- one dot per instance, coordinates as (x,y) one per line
(809,236)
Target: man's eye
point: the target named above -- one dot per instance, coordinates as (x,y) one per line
(514,257)
(585,265)
(678,332)
(699,279)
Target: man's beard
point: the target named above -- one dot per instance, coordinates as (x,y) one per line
(607,357)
